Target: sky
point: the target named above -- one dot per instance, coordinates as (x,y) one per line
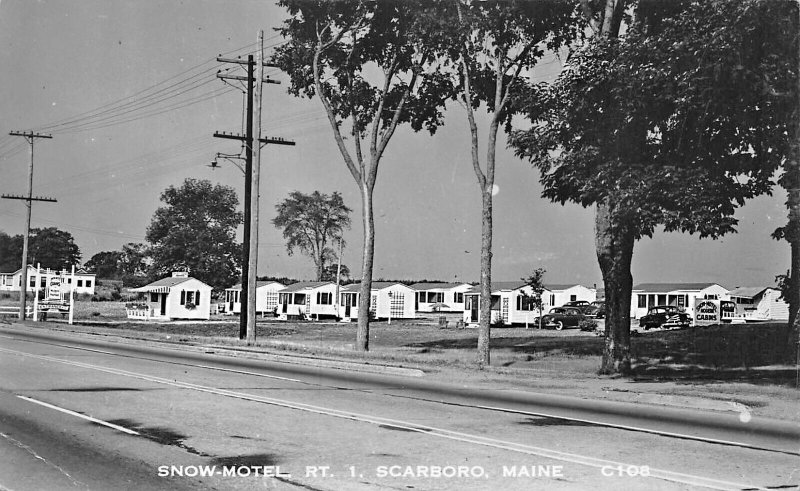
(128,90)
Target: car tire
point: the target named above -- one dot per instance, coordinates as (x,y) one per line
(559,325)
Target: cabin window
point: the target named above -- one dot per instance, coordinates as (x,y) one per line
(88,283)
(153,297)
(324,298)
(572,298)
(525,302)
(459,297)
(641,301)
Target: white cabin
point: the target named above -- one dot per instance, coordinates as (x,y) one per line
(266,297)
(681,295)
(440,297)
(389,301)
(307,300)
(759,304)
(84,282)
(511,301)
(177,297)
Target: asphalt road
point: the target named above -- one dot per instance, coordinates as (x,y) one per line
(77,413)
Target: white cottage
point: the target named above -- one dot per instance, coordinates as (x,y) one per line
(681,295)
(511,301)
(177,297)
(266,297)
(84,282)
(389,301)
(759,304)
(440,297)
(307,300)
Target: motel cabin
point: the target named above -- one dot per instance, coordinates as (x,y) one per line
(266,297)
(440,297)
(177,297)
(307,300)
(84,282)
(511,303)
(759,304)
(389,300)
(681,295)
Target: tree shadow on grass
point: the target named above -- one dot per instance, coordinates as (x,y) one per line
(757,354)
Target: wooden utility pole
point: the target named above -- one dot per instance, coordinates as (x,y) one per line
(247,320)
(29,199)
(254,195)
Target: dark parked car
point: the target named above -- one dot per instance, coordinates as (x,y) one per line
(665,316)
(561,317)
(585,307)
(598,309)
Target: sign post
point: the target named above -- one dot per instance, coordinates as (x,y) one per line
(71,295)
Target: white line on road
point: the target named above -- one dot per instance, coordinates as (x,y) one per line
(73,413)
(586,460)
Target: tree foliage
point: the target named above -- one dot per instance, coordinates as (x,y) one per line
(365,62)
(10,252)
(105,264)
(195,231)
(673,124)
(53,248)
(483,52)
(313,224)
(536,283)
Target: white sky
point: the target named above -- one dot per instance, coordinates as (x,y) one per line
(61,59)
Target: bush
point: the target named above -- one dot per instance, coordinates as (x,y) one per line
(587,325)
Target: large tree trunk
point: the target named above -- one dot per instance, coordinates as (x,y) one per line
(484,326)
(365,298)
(614,243)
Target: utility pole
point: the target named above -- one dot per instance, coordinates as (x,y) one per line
(29,199)
(247,320)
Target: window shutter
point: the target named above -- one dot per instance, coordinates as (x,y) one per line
(197,297)
(183,297)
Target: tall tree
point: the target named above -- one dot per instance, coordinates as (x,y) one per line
(313,223)
(670,125)
(487,48)
(788,28)
(53,248)
(364,60)
(196,232)
(105,264)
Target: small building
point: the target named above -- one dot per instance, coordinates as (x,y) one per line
(177,297)
(389,300)
(84,282)
(511,303)
(266,297)
(759,303)
(681,295)
(440,297)
(307,300)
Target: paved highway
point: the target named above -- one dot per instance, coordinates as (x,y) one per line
(80,413)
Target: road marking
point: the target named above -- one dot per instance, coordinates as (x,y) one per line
(585,460)
(83,416)
(640,429)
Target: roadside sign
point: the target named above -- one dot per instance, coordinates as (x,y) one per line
(706,312)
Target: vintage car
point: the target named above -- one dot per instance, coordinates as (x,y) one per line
(598,309)
(586,307)
(665,316)
(560,317)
